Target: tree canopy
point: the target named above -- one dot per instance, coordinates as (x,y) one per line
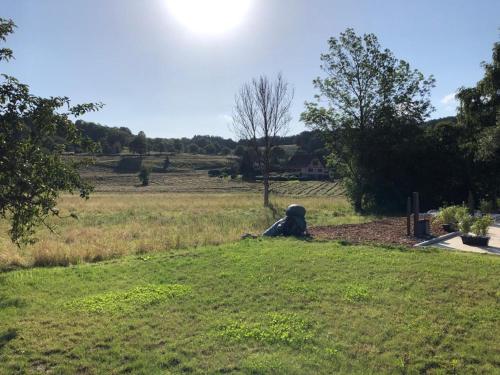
(378,141)
(375,101)
(479,121)
(32,175)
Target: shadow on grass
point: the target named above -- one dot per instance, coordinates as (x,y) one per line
(388,247)
(11,302)
(7,336)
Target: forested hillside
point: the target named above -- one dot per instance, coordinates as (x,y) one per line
(115,140)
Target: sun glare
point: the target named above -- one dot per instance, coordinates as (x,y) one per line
(209,16)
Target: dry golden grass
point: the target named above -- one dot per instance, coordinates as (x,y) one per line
(111,225)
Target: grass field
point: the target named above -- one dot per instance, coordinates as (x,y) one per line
(182,208)
(189,174)
(256,307)
(178,162)
(171,289)
(114,224)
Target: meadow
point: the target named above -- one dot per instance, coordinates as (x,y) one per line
(113,224)
(279,306)
(181,208)
(155,280)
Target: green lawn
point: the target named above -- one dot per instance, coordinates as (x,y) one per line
(261,306)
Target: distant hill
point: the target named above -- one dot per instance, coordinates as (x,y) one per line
(449,119)
(117,140)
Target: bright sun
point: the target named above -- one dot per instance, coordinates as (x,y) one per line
(209,16)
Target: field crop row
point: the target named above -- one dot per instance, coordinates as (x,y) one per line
(199,182)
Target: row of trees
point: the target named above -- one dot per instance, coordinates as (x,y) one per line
(114,140)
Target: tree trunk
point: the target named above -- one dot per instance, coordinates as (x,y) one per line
(267,165)
(266,189)
(495,202)
(470,202)
(358,203)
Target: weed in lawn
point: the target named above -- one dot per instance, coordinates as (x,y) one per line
(141,296)
(356,293)
(264,364)
(332,352)
(302,290)
(289,329)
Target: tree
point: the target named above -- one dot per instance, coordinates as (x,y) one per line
(32,175)
(177,145)
(278,154)
(225,151)
(139,144)
(247,164)
(479,120)
(367,89)
(166,163)
(144,175)
(262,110)
(210,149)
(239,150)
(194,149)
(129,164)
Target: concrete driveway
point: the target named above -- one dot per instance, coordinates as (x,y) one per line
(455,243)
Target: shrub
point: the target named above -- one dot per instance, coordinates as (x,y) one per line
(144,176)
(461,212)
(129,165)
(486,207)
(465,223)
(166,163)
(480,226)
(214,173)
(447,215)
(225,151)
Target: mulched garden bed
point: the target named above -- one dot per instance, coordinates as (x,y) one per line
(388,231)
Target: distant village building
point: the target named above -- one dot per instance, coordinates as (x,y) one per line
(308,166)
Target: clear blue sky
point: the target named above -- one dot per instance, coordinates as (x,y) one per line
(156,75)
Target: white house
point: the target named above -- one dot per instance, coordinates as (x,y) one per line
(308,166)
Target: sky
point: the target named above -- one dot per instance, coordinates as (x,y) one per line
(173,72)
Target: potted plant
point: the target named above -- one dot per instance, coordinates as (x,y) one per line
(447,217)
(479,227)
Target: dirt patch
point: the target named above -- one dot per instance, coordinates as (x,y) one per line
(388,231)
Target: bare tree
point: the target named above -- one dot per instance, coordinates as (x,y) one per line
(262,113)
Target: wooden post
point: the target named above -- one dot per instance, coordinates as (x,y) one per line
(408,217)
(416,214)
(470,202)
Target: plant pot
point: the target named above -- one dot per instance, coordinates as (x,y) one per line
(479,241)
(449,228)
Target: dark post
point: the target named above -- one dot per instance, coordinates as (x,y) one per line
(408,217)
(470,202)
(416,214)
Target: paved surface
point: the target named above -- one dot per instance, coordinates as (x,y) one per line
(455,243)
